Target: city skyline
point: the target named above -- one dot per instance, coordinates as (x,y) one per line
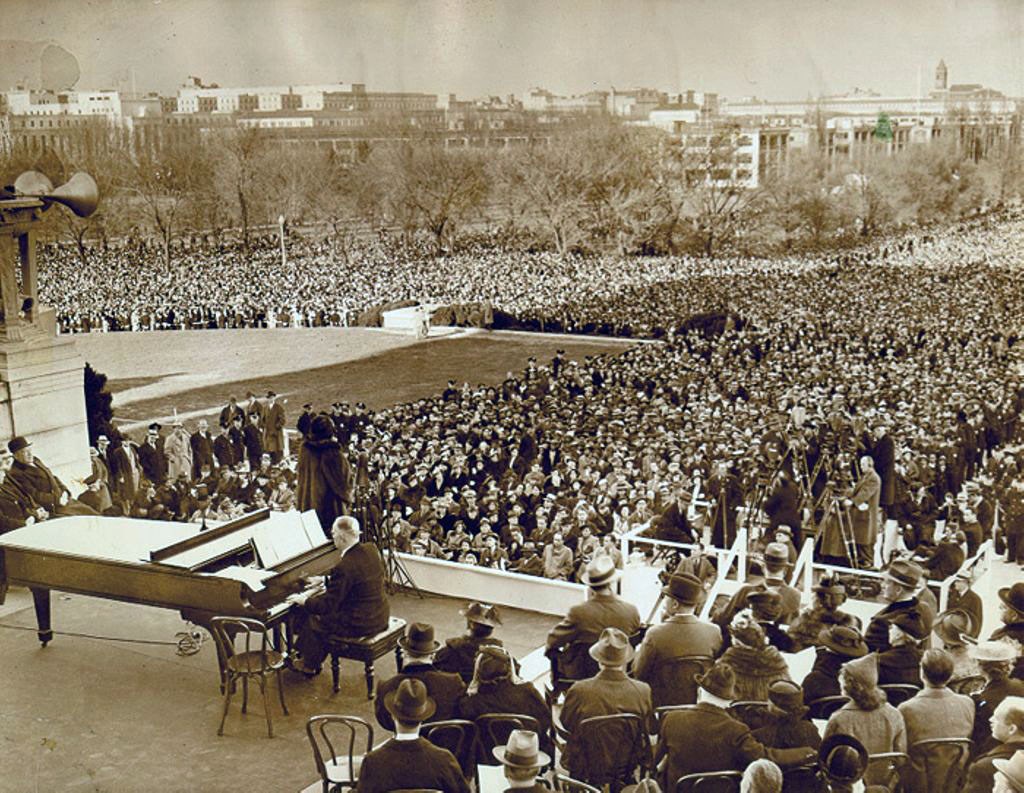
(736,48)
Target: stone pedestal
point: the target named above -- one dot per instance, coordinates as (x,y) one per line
(42,397)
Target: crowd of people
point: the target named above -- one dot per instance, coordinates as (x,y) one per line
(718,696)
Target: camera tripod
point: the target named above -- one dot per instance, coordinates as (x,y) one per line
(396,574)
(844,522)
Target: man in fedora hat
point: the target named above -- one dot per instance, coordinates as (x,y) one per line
(459,653)
(776,564)
(610,691)
(1009,776)
(419,647)
(708,738)
(523,760)
(961,596)
(585,621)
(1012,615)
(681,634)
(995,661)
(408,761)
(900,586)
(1008,731)
(40,484)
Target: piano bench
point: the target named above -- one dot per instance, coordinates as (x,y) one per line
(366,649)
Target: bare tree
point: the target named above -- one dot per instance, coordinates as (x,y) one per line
(240,158)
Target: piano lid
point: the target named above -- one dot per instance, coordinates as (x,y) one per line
(116,539)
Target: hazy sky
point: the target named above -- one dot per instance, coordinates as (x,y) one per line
(772,48)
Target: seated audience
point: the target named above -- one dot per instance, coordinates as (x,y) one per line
(755,663)
(868,717)
(584,623)
(1007,728)
(1012,629)
(951,626)
(445,688)
(787,727)
(708,738)
(1009,776)
(523,760)
(610,691)
(902,661)
(681,634)
(962,597)
(407,760)
(823,613)
(39,484)
(761,776)
(844,761)
(837,646)
(995,659)
(459,654)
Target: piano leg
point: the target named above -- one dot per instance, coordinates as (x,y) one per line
(41,600)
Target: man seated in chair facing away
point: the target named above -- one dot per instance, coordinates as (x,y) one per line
(353,604)
(523,761)
(407,760)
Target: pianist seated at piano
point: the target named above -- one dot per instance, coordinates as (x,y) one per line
(352,604)
(39,483)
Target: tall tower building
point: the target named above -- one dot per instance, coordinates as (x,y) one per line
(941,76)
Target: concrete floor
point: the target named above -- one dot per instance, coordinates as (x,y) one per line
(87,714)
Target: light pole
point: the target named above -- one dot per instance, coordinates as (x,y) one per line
(284,255)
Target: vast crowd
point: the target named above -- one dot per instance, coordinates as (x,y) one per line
(798,366)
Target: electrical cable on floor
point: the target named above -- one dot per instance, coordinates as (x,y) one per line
(188,642)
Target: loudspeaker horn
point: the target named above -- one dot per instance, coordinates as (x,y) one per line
(79,193)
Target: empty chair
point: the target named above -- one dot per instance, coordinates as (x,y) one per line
(245,646)
(330,735)
(709,782)
(937,765)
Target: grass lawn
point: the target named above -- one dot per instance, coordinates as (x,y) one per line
(380,379)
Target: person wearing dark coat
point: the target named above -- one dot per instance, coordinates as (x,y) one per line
(236,435)
(1013,623)
(672,525)
(152,458)
(325,481)
(899,588)
(202,450)
(407,761)
(252,437)
(585,621)
(353,604)
(783,507)
(884,455)
(459,653)
(1008,731)
(445,688)
(901,663)
(229,412)
(837,645)
(787,727)
(224,449)
(305,422)
(947,557)
(39,483)
(16,509)
(708,738)
(494,689)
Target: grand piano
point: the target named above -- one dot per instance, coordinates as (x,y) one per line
(242,568)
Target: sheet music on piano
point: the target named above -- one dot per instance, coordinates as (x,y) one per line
(281,537)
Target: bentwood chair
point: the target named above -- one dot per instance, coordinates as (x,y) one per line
(753,713)
(245,646)
(823,707)
(328,734)
(709,782)
(610,750)
(494,729)
(893,764)
(899,692)
(566,784)
(674,681)
(458,736)
(938,764)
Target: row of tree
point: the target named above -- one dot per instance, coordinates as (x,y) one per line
(606,188)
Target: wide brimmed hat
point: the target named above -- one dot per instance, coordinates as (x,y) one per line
(599,572)
(521,751)
(419,639)
(481,613)
(17,443)
(685,588)
(905,573)
(612,648)
(993,651)
(787,696)
(409,702)
(843,641)
(765,604)
(912,622)
(1012,769)
(719,680)
(843,758)
(830,586)
(776,553)
(952,624)
(1012,596)
(492,663)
